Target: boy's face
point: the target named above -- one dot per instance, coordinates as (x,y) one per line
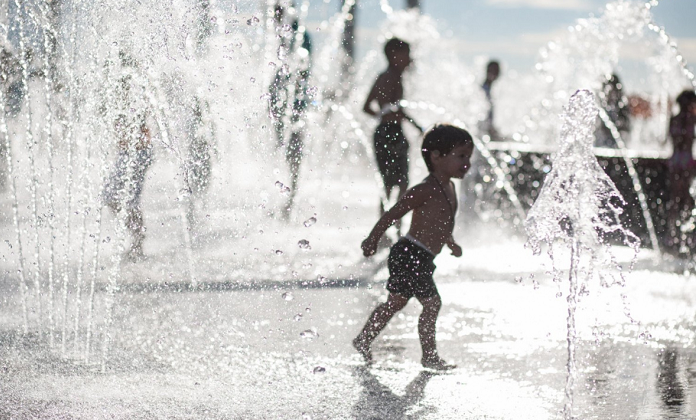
(401,58)
(456,163)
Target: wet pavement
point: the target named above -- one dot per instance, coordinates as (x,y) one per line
(281,350)
(247,324)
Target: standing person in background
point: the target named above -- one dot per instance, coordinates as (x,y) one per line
(681,166)
(616,105)
(391,146)
(294,151)
(125,185)
(487,126)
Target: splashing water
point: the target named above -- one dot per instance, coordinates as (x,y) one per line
(577,208)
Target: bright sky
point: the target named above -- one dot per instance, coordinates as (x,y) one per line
(513,31)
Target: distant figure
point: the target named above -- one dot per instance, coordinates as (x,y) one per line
(279,89)
(294,151)
(124,187)
(681,164)
(618,110)
(488,125)
(391,146)
(447,153)
(289,96)
(200,133)
(11,83)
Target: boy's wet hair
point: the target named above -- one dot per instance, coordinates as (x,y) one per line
(443,138)
(394,45)
(686,98)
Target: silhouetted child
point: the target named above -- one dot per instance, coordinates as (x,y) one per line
(681,164)
(391,146)
(447,153)
(492,74)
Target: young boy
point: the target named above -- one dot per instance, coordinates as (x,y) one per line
(447,153)
(391,146)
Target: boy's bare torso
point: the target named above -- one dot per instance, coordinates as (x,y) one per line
(433,222)
(389,91)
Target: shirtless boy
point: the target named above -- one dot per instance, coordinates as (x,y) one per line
(391,146)
(447,153)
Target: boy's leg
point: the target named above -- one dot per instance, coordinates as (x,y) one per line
(376,323)
(426,325)
(426,333)
(134,222)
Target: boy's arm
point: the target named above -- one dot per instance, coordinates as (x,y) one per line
(454,247)
(414,198)
(409,119)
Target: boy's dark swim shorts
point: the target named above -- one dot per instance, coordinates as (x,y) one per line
(391,148)
(411,270)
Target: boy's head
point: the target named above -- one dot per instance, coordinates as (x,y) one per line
(398,53)
(441,139)
(492,71)
(686,100)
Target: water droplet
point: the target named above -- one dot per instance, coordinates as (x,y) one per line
(107,240)
(559,294)
(253,21)
(345,207)
(319,369)
(536,284)
(295,274)
(278,252)
(304,244)
(309,334)
(252,80)
(287,296)
(518,279)
(308,310)
(282,188)
(309,222)
(298,317)
(321,279)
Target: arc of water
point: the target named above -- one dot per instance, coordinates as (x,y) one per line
(70,124)
(500,173)
(645,209)
(15,213)
(111,287)
(97,248)
(47,130)
(386,8)
(84,187)
(33,181)
(667,41)
(571,332)
(98,126)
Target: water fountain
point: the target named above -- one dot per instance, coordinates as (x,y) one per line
(577,206)
(224,274)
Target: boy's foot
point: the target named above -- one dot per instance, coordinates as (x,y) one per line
(363,349)
(436,363)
